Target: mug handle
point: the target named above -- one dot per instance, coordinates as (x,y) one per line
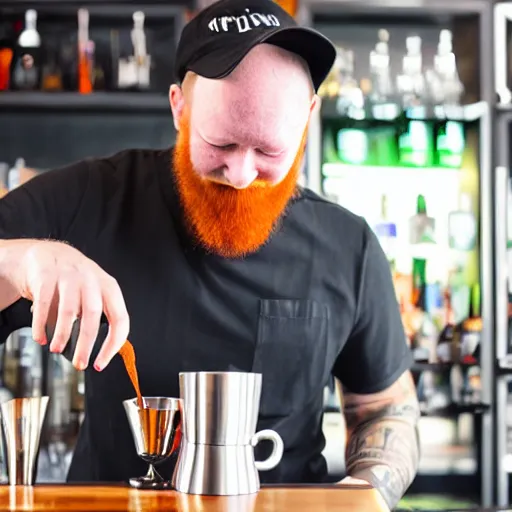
(277,453)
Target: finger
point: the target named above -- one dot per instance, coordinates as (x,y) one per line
(91,310)
(43,295)
(68,311)
(119,323)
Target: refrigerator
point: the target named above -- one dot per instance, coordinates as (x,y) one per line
(403,139)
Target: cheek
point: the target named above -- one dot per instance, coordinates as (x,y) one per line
(275,174)
(204,158)
(275,171)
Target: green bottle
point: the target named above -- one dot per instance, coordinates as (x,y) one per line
(415,146)
(421,226)
(419,282)
(450,144)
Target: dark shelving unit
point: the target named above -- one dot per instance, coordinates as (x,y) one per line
(437,367)
(51,129)
(97,102)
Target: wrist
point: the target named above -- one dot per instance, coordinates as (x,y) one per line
(383,478)
(12,255)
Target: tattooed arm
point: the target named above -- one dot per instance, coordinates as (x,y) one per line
(383,445)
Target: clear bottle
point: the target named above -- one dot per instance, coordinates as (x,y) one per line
(26,74)
(462,228)
(14,175)
(142,59)
(421,226)
(85,66)
(382,86)
(411,83)
(445,66)
(386,232)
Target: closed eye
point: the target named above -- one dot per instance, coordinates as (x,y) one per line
(269,153)
(224,147)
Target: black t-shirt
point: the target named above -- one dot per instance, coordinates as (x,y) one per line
(316,299)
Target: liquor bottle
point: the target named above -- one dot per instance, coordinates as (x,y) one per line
(419,282)
(350,97)
(460,292)
(415,145)
(386,232)
(52,75)
(85,68)
(421,226)
(26,69)
(142,59)
(445,66)
(424,341)
(411,83)
(14,174)
(7,44)
(448,345)
(133,71)
(472,329)
(353,146)
(462,227)
(450,144)
(382,86)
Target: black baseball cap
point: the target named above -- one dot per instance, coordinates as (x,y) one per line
(214,42)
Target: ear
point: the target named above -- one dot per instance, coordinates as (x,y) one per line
(315,104)
(177,101)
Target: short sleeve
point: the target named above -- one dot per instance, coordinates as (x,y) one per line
(376,353)
(43,208)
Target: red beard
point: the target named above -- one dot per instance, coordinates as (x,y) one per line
(227,221)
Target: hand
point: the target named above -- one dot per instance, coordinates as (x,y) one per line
(348,480)
(64,285)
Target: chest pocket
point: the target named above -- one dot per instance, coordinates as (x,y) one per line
(291,353)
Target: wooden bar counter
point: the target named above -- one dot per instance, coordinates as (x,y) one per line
(43,497)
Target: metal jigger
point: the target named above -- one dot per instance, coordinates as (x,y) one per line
(22,420)
(156,431)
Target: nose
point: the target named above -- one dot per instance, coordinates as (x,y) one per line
(240,170)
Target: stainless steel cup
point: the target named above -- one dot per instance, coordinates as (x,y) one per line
(219,434)
(156,431)
(221,408)
(22,421)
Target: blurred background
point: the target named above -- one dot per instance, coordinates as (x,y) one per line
(413,134)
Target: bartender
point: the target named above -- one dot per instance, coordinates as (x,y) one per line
(210,256)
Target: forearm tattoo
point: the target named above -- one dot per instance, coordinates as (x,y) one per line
(383,443)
